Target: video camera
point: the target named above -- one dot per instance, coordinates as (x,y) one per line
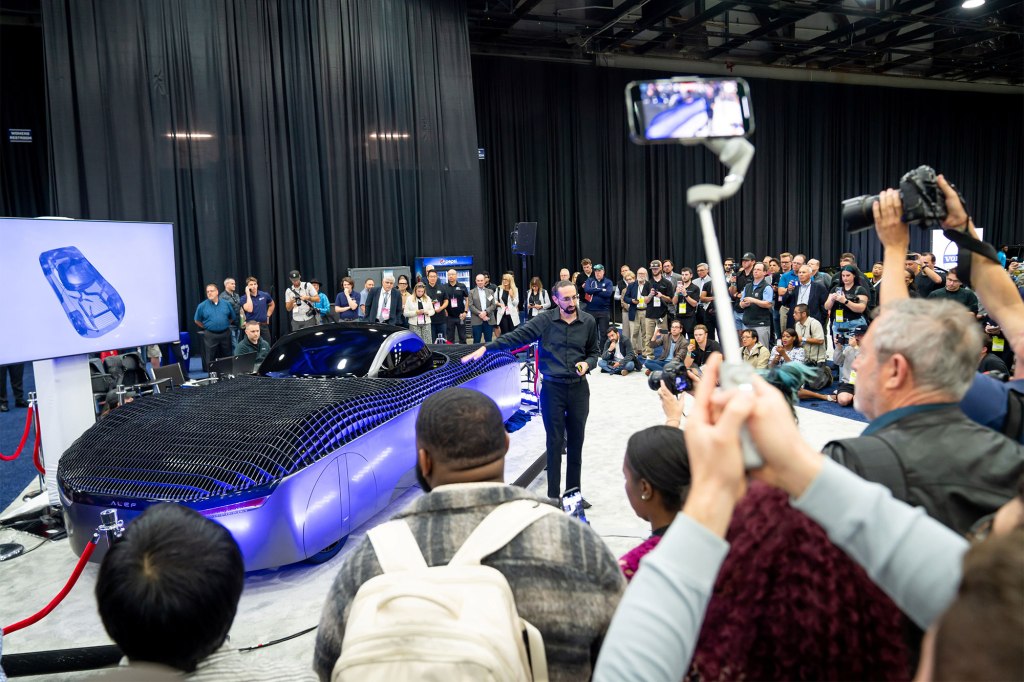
(923,202)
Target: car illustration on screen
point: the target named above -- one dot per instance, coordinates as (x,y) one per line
(291,459)
(92,305)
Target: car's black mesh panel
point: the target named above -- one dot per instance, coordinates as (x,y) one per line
(191,444)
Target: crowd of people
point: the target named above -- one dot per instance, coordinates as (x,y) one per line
(900,549)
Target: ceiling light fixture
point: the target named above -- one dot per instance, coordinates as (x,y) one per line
(389,136)
(190,136)
(972,4)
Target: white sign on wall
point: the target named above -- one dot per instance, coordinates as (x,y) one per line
(945,251)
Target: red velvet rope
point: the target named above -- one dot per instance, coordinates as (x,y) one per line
(82,561)
(24,437)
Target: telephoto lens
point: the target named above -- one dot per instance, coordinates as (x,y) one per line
(922,199)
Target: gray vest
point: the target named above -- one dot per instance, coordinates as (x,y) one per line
(753,315)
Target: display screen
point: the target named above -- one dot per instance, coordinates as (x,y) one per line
(85,286)
(674,109)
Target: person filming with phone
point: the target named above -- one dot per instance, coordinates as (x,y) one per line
(257,305)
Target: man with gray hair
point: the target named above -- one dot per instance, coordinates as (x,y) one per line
(822,278)
(916,362)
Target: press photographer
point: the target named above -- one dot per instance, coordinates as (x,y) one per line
(299,299)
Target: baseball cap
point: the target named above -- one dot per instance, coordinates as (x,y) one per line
(314,281)
(749,256)
(655,264)
(599,267)
(294,274)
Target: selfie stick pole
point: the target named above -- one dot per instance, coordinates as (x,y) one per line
(736,153)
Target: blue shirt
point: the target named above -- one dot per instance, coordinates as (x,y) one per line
(215,317)
(343,301)
(260,303)
(788,277)
(986,400)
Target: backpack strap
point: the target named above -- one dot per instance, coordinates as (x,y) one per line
(1013,427)
(875,460)
(499,528)
(396,547)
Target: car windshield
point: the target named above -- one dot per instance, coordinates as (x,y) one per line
(345,350)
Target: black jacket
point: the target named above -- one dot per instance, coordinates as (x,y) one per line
(815,301)
(395,313)
(955,468)
(561,345)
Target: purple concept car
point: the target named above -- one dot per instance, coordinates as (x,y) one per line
(291,459)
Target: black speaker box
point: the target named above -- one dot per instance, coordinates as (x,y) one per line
(524,239)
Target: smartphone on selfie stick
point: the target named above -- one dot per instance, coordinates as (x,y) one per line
(717,113)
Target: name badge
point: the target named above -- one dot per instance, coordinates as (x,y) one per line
(682,308)
(839,315)
(998,344)
(453,303)
(657,301)
(853,377)
(385,311)
(420,319)
(436,305)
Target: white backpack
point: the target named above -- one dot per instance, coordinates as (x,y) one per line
(442,623)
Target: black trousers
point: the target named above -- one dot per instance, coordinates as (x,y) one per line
(564,409)
(688,324)
(217,345)
(456,329)
(438,328)
(602,320)
(708,320)
(17,372)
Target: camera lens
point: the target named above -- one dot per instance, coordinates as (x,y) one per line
(857,214)
(654,380)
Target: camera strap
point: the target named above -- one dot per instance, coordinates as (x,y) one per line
(965,242)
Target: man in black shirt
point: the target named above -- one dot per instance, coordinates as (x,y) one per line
(737,283)
(252,342)
(580,278)
(698,353)
(436,293)
(686,301)
(926,279)
(455,292)
(569,348)
(662,291)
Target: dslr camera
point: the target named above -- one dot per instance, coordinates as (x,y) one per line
(923,202)
(674,376)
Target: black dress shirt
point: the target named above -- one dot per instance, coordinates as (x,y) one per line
(562,345)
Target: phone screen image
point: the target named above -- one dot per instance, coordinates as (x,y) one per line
(572,504)
(690,109)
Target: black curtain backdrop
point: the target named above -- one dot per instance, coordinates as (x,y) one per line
(557,152)
(24,178)
(275,134)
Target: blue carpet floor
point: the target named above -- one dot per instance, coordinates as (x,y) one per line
(14,476)
(832,408)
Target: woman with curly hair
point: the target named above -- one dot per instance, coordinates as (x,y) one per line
(787,604)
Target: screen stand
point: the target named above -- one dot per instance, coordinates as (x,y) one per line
(64,390)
